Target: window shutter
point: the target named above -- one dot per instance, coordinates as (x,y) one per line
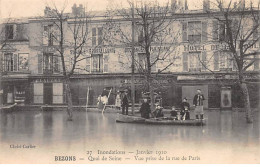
(88,64)
(184,31)
(216,61)
(215,30)
(204,31)
(100,36)
(255,32)
(40,57)
(94,36)
(185,61)
(222,34)
(15,32)
(105,56)
(56,64)
(56,35)
(15,62)
(45,35)
(204,61)
(256,63)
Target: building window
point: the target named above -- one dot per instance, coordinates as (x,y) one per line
(23,63)
(195,61)
(219,29)
(38,93)
(97,62)
(222,32)
(9,31)
(225,61)
(48,36)
(97,36)
(142,62)
(194,31)
(10,62)
(50,63)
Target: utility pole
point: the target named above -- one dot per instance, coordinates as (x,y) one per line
(133,54)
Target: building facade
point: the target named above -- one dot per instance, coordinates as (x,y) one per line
(32,68)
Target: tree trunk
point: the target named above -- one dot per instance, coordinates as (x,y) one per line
(151,96)
(69,99)
(247,107)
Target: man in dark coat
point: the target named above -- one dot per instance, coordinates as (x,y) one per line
(145,109)
(125,103)
(198,103)
(185,109)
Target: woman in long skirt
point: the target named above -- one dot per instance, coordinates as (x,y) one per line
(118,100)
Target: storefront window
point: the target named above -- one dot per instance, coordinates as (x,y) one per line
(57,93)
(38,93)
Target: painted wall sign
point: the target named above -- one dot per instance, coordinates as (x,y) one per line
(215,47)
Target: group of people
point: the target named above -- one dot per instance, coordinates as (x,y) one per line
(184,113)
(122,102)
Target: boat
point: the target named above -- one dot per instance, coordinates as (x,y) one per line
(8,108)
(168,121)
(159,121)
(129,119)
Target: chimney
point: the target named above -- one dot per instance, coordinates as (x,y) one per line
(78,11)
(173,5)
(183,5)
(206,5)
(241,4)
(235,5)
(74,9)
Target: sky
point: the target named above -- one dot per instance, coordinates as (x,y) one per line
(27,8)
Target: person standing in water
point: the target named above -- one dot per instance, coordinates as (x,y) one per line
(125,103)
(198,103)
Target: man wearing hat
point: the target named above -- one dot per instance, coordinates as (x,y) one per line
(125,102)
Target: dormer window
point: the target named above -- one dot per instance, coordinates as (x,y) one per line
(9,31)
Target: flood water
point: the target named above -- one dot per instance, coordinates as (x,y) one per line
(226,138)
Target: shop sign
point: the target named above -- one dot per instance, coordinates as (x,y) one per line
(47,80)
(152,49)
(215,47)
(142,81)
(97,50)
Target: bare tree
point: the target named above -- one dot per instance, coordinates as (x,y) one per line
(237,26)
(156,38)
(76,25)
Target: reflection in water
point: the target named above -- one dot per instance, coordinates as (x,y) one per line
(51,128)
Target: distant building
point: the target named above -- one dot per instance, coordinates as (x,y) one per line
(32,68)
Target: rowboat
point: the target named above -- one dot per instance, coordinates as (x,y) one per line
(129,119)
(159,121)
(166,121)
(8,108)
